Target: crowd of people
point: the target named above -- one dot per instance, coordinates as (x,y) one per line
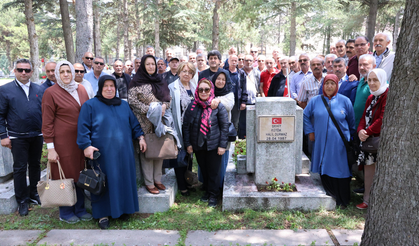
(80,110)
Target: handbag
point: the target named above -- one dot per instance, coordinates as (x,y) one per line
(56,193)
(351,154)
(190,177)
(183,158)
(92,180)
(232,133)
(371,144)
(160,148)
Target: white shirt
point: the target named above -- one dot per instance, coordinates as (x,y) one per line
(25,87)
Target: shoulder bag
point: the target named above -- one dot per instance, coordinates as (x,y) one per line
(91,179)
(371,144)
(232,133)
(160,148)
(190,177)
(350,150)
(56,193)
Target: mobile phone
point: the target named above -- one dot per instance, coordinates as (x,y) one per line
(96,155)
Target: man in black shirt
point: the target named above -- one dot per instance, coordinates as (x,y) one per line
(122,79)
(171,75)
(214,61)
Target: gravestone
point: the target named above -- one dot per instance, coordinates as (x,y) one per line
(6,164)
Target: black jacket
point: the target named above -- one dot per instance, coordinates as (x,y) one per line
(277,87)
(217,135)
(20,116)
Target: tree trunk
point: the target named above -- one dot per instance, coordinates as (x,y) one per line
(157,30)
(393,214)
(396,28)
(68,33)
(215,25)
(125,21)
(138,28)
(293,28)
(328,28)
(118,36)
(97,39)
(84,28)
(33,40)
(372,19)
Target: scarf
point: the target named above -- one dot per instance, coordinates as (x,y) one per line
(159,88)
(218,92)
(184,99)
(206,113)
(115,100)
(71,88)
(333,78)
(382,77)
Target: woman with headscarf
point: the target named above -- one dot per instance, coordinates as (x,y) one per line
(107,124)
(205,134)
(61,106)
(329,154)
(146,87)
(370,125)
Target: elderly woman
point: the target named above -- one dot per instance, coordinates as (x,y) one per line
(370,125)
(182,93)
(107,124)
(146,87)
(61,106)
(205,134)
(329,154)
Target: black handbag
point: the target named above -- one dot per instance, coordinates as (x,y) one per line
(191,178)
(351,152)
(183,158)
(371,144)
(232,133)
(91,179)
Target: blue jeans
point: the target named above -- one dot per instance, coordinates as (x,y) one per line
(77,209)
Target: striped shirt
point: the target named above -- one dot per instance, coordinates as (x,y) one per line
(309,88)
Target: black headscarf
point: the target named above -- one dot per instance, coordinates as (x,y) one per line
(141,77)
(227,86)
(115,100)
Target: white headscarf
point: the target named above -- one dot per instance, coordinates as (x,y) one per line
(382,77)
(71,88)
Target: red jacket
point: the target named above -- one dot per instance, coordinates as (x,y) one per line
(377,121)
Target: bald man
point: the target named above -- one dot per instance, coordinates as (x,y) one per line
(50,71)
(87,62)
(79,78)
(267,75)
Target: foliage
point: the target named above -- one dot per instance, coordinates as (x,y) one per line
(239,149)
(275,186)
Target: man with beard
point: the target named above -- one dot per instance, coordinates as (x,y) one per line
(382,54)
(329,62)
(295,83)
(362,45)
(310,86)
(350,48)
(122,79)
(50,71)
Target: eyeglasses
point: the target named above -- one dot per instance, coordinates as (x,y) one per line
(100,63)
(291,63)
(241,59)
(79,71)
(302,60)
(202,90)
(361,44)
(248,60)
(254,51)
(89,58)
(20,70)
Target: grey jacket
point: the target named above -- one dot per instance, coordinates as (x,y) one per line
(160,129)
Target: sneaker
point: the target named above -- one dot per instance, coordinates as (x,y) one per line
(362,206)
(71,220)
(205,197)
(212,202)
(104,223)
(86,217)
(23,208)
(35,199)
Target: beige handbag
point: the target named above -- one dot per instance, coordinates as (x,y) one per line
(160,148)
(56,193)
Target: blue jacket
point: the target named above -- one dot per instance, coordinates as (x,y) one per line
(47,84)
(20,116)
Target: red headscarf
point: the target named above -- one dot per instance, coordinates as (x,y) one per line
(333,78)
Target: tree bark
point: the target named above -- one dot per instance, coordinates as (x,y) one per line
(157,30)
(372,19)
(84,28)
(393,214)
(68,33)
(396,28)
(138,28)
(328,34)
(96,36)
(216,25)
(118,36)
(125,21)
(33,40)
(293,28)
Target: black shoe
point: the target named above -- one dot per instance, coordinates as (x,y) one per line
(23,208)
(35,199)
(191,189)
(212,202)
(359,190)
(205,197)
(104,223)
(186,193)
(124,217)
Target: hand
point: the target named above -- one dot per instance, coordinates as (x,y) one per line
(352,77)
(189,150)
(52,155)
(143,145)
(88,152)
(6,142)
(242,106)
(311,136)
(163,109)
(221,151)
(214,103)
(363,135)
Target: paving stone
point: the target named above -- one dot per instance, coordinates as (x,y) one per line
(18,237)
(259,237)
(348,237)
(110,237)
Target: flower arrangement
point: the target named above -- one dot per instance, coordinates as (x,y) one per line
(276,186)
(239,149)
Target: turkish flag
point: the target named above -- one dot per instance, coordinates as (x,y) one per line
(286,90)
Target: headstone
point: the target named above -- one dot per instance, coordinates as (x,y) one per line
(276,140)
(299,121)
(241,164)
(250,138)
(6,164)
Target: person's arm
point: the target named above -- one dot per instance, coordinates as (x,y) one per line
(222,117)
(187,120)
(308,126)
(375,127)
(135,96)
(302,98)
(293,89)
(48,118)
(350,118)
(262,80)
(244,96)
(137,131)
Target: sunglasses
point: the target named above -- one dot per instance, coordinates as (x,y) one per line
(261,61)
(79,71)
(248,60)
(241,59)
(302,60)
(89,58)
(100,63)
(253,51)
(202,90)
(20,70)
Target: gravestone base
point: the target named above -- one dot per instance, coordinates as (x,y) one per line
(240,192)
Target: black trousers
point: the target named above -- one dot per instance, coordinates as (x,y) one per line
(338,188)
(180,176)
(26,152)
(210,164)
